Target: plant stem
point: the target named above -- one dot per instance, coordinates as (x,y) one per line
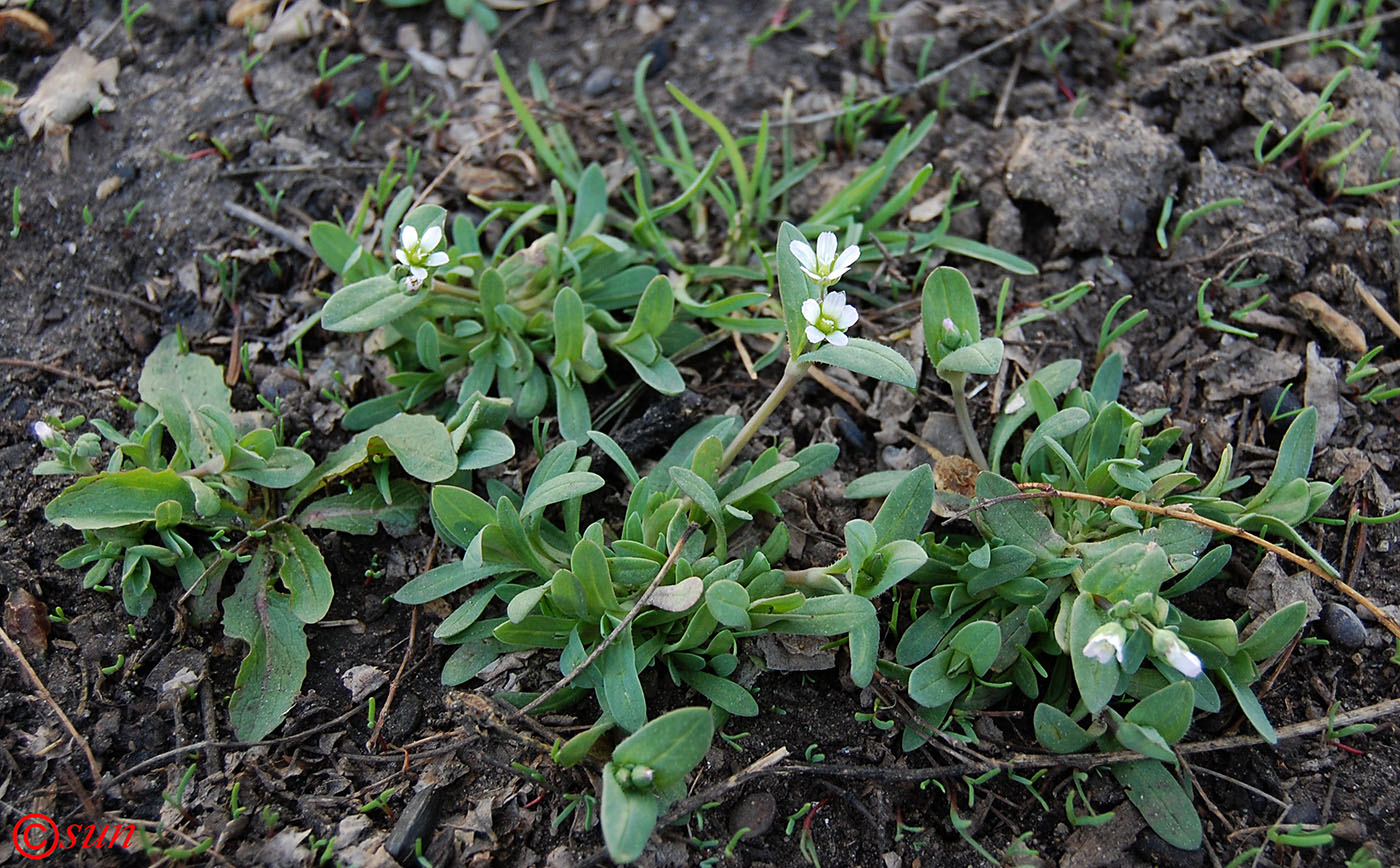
(974,449)
(792,375)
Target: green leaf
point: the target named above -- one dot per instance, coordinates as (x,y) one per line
(980,641)
(893,562)
(1168,711)
(115,499)
(728,602)
(283,469)
(1057,731)
(460,514)
(590,204)
(1055,378)
(698,490)
(866,357)
(947,295)
(565,486)
(722,692)
(1097,681)
(568,325)
(367,304)
(660,373)
(654,311)
(931,686)
(622,689)
(1159,797)
(627,816)
(336,249)
(983,357)
(831,616)
(304,572)
(906,509)
(877,484)
(671,745)
(363,510)
(1144,740)
(440,581)
(178,384)
(1276,632)
(793,287)
(1249,703)
(1132,569)
(272,672)
(1295,454)
(422,445)
(1018,522)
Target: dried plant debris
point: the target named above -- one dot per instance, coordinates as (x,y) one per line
(78,83)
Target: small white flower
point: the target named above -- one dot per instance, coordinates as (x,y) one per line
(823,265)
(43,431)
(1169,646)
(420,254)
(1106,643)
(828,319)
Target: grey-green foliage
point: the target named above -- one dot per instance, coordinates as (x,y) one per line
(478,10)
(532,325)
(206,493)
(544,581)
(1018,606)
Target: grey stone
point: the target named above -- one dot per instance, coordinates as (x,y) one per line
(600,81)
(1341,626)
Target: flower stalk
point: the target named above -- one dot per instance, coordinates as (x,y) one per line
(957,381)
(792,375)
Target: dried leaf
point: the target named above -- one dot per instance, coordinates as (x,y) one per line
(77,83)
(27,620)
(300,21)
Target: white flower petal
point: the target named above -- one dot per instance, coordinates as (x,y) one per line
(436,259)
(432,237)
(419,273)
(832,304)
(410,239)
(816,278)
(847,317)
(815,335)
(838,339)
(826,249)
(848,257)
(1181,659)
(401,256)
(811,311)
(803,251)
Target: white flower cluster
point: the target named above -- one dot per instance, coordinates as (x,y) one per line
(828,319)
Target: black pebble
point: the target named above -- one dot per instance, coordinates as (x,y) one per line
(1155,851)
(403,720)
(660,51)
(1341,627)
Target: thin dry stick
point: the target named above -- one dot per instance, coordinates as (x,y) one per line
(1376,307)
(744,355)
(374,742)
(44,694)
(622,625)
(57,371)
(296,241)
(1032,490)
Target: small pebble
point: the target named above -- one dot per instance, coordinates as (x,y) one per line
(403,720)
(417,822)
(600,81)
(1341,626)
(755,813)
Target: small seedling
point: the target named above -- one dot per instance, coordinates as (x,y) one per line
(57,616)
(270,200)
(379,802)
(264,124)
(129,16)
(321,91)
(15,212)
(247,61)
(115,667)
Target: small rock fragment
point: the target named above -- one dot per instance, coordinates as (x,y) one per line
(76,84)
(600,81)
(754,812)
(1341,626)
(647,20)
